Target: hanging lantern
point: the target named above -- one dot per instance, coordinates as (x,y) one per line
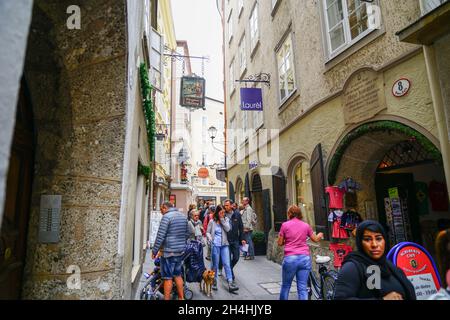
(203,173)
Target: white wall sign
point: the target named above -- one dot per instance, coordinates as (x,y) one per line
(155,220)
(401,87)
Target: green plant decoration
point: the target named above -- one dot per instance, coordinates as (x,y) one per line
(150,120)
(384,125)
(258,237)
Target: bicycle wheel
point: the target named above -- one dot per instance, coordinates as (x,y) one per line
(188,294)
(328,287)
(313,287)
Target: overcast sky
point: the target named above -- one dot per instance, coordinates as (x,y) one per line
(198,22)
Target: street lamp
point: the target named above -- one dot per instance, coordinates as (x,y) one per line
(223,171)
(212,132)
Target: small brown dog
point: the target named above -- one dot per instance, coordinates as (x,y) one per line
(207,282)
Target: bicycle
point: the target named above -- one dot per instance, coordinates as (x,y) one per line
(322,286)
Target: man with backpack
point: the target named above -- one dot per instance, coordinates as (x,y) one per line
(249,220)
(171,238)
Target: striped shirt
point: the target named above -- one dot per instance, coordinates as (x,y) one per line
(172,234)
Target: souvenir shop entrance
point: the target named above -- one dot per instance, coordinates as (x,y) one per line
(398,179)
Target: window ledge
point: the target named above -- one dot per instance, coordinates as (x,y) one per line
(255,48)
(229,40)
(346,52)
(240,12)
(243,71)
(287,102)
(233,92)
(134,272)
(275,9)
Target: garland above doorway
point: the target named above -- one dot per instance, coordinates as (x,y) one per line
(384,125)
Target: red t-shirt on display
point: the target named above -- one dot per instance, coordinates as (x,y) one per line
(340,251)
(336,197)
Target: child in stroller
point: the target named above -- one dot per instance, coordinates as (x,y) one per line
(193,268)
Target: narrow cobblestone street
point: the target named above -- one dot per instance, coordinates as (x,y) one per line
(258,279)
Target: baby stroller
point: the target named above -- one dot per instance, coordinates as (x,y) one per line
(193,268)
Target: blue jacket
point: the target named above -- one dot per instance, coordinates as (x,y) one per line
(172,234)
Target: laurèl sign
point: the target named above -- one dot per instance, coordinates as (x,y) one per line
(251,99)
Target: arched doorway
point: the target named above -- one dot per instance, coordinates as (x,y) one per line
(401,179)
(231,192)
(240,193)
(13,236)
(299,187)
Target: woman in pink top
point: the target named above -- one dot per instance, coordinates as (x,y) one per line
(297,262)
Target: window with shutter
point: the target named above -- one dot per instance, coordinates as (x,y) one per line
(156,60)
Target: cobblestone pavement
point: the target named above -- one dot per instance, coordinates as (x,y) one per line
(258,279)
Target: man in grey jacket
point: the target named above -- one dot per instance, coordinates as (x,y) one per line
(249,220)
(171,239)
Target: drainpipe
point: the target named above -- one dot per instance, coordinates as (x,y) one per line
(224,83)
(438,104)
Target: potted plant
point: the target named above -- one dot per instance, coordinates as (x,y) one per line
(259,241)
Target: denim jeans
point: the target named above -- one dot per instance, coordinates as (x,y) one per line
(300,267)
(234,256)
(248,239)
(171,267)
(221,253)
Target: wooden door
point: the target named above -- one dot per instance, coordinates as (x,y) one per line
(279,199)
(267,212)
(318,190)
(17,203)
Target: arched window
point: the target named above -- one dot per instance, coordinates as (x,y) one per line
(301,189)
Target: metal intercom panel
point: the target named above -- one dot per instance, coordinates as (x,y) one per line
(50,218)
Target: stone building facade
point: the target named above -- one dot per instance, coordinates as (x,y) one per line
(336,108)
(79,134)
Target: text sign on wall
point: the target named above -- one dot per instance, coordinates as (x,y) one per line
(363,96)
(49,219)
(251,99)
(418,267)
(192,93)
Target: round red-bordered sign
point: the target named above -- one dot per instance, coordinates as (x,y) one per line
(401,87)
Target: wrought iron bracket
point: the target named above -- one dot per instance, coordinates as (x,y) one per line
(257,78)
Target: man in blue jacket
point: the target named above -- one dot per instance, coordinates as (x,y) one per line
(171,239)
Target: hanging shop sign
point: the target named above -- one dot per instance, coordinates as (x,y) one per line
(418,266)
(192,93)
(401,87)
(251,99)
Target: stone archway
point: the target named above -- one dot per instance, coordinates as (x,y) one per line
(363,155)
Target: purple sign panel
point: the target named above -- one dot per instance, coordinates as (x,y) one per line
(251,99)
